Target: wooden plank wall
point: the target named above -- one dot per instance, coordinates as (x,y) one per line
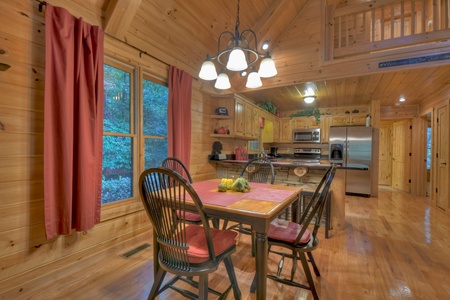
(25,254)
(27,259)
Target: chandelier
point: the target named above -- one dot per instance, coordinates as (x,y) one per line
(238,56)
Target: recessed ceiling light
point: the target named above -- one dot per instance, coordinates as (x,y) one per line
(309,99)
(265,45)
(402,99)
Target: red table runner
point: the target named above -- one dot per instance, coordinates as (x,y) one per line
(208,193)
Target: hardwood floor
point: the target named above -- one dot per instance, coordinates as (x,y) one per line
(393,247)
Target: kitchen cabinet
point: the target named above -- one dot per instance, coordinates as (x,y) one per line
(254,129)
(239,117)
(285,130)
(243,120)
(248,115)
(348,120)
(325,129)
(276,130)
(246,119)
(305,122)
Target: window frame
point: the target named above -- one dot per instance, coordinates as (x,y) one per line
(137,75)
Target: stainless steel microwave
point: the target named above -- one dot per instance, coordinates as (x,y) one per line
(310,135)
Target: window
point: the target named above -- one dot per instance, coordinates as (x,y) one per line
(121,132)
(155,99)
(118,138)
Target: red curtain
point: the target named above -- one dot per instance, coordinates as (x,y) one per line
(73,123)
(180,97)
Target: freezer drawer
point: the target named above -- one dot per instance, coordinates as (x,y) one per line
(358,182)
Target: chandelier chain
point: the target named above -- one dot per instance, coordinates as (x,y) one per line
(237,17)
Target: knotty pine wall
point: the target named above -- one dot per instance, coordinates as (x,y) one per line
(27,259)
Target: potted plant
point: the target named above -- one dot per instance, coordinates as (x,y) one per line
(269,106)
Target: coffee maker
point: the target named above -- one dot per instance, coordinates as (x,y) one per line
(273,151)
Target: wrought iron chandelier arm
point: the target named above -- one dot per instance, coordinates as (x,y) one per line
(220,38)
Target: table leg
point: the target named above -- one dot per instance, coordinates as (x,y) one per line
(261,265)
(295,211)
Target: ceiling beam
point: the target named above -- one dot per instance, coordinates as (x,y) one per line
(119,15)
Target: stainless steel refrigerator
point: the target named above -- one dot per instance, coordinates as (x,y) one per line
(351,146)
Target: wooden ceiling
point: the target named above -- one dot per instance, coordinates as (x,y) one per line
(415,86)
(182,33)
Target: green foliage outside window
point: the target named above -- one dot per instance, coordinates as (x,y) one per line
(119,141)
(117,180)
(155,98)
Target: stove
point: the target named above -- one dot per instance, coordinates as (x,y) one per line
(307,155)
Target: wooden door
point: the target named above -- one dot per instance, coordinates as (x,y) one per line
(385,157)
(442,153)
(401,148)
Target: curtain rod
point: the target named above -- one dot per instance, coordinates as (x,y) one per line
(136,48)
(43,3)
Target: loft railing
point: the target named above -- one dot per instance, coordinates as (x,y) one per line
(385,24)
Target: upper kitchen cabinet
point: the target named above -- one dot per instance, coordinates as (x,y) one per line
(285,130)
(325,129)
(239,117)
(348,120)
(305,122)
(246,119)
(276,130)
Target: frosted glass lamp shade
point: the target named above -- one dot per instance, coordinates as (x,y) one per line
(236,60)
(253,80)
(222,82)
(208,71)
(267,68)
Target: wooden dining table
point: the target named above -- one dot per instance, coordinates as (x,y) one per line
(257,207)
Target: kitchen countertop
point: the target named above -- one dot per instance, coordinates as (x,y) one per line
(300,164)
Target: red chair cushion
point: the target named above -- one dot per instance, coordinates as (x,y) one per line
(286,231)
(189,216)
(198,251)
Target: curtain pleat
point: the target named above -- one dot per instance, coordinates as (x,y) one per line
(179,115)
(73,123)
